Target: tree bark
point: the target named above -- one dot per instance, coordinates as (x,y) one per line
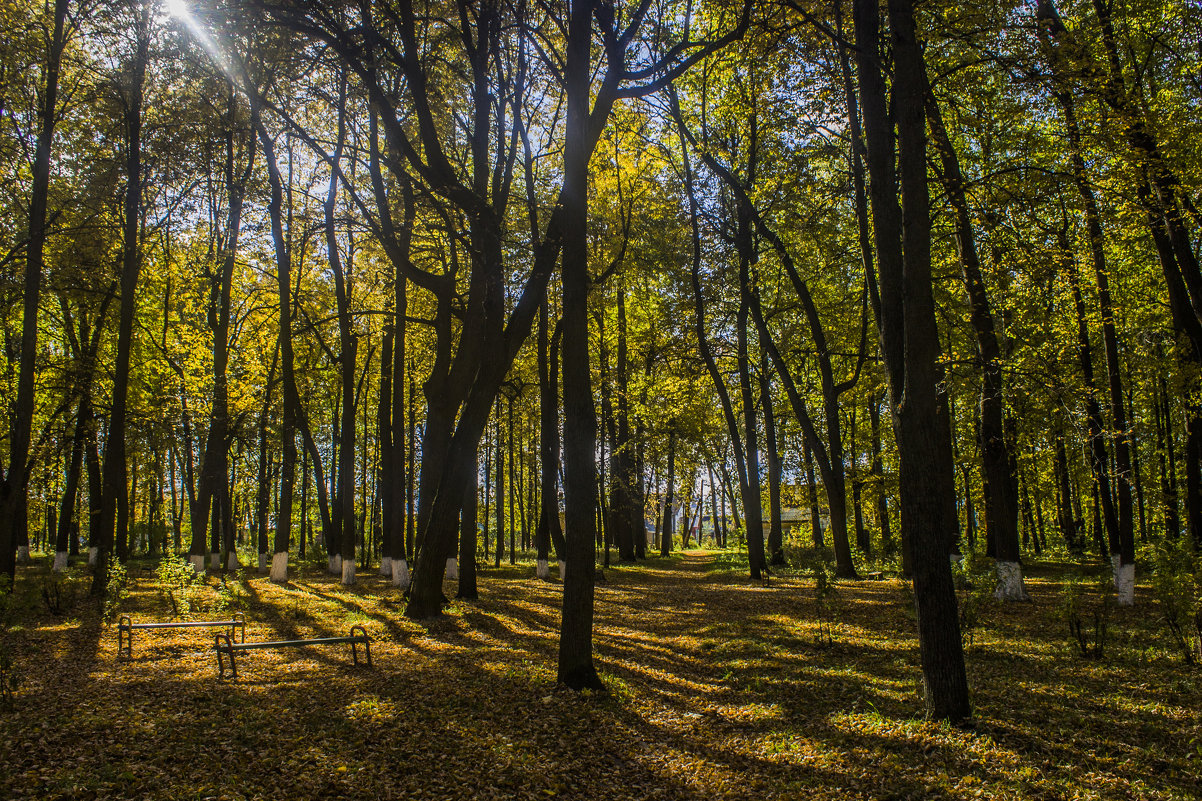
(910,343)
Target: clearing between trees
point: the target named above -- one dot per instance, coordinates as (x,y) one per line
(720,687)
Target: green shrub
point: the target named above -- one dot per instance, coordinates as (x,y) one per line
(826,602)
(116,589)
(975,581)
(1177,585)
(60,591)
(1079,608)
(178,584)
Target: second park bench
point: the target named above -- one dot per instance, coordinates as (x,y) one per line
(225,647)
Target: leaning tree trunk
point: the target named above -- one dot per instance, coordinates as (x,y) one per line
(1001,488)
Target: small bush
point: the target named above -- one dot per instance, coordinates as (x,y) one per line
(116,589)
(61,591)
(1177,586)
(179,584)
(974,580)
(826,602)
(1086,613)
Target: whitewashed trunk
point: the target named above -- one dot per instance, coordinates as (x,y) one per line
(400,573)
(1124,583)
(1010,585)
(60,561)
(23,555)
(335,564)
(542,569)
(262,563)
(198,563)
(214,561)
(563,568)
(279,567)
(386,566)
(453,569)
(231,561)
(93,556)
(348,572)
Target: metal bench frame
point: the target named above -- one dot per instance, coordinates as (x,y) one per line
(224,645)
(125,629)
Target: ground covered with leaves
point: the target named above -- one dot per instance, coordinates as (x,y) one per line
(719,687)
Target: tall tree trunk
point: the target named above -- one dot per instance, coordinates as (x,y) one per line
(752,510)
(548,519)
(66,515)
(878,477)
(1098,460)
(291,398)
(1000,486)
(576,668)
(114,470)
(15,483)
(910,342)
(776,551)
(467,539)
(665,535)
(1066,516)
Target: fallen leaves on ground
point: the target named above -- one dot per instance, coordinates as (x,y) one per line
(719,687)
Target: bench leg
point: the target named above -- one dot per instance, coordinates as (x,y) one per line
(228,651)
(125,637)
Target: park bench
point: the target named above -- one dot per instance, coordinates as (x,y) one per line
(224,645)
(125,629)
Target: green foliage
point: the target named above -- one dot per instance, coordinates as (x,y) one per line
(116,590)
(826,602)
(1177,585)
(1086,611)
(974,579)
(179,584)
(60,591)
(230,593)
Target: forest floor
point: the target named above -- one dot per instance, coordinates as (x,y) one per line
(719,687)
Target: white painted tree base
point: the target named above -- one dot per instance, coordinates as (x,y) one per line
(93,555)
(1124,584)
(231,561)
(400,573)
(214,561)
(453,569)
(279,567)
(60,561)
(1010,585)
(23,555)
(262,563)
(386,566)
(335,564)
(563,569)
(543,569)
(348,572)
(198,563)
